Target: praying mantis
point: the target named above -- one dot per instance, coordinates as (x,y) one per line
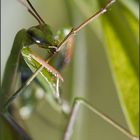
(43,37)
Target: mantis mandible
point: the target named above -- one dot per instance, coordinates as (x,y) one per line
(42,36)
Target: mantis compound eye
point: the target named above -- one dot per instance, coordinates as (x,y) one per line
(37,37)
(41,35)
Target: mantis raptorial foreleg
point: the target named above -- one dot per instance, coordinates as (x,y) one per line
(74,113)
(45,65)
(53,71)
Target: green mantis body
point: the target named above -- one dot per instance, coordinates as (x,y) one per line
(48,76)
(32,60)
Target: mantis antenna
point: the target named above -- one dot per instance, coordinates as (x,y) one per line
(35,11)
(32,11)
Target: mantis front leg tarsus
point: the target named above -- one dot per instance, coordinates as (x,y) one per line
(74,113)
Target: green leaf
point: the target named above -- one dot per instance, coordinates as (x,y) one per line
(122,49)
(131,5)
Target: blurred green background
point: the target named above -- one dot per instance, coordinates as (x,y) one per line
(88,75)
